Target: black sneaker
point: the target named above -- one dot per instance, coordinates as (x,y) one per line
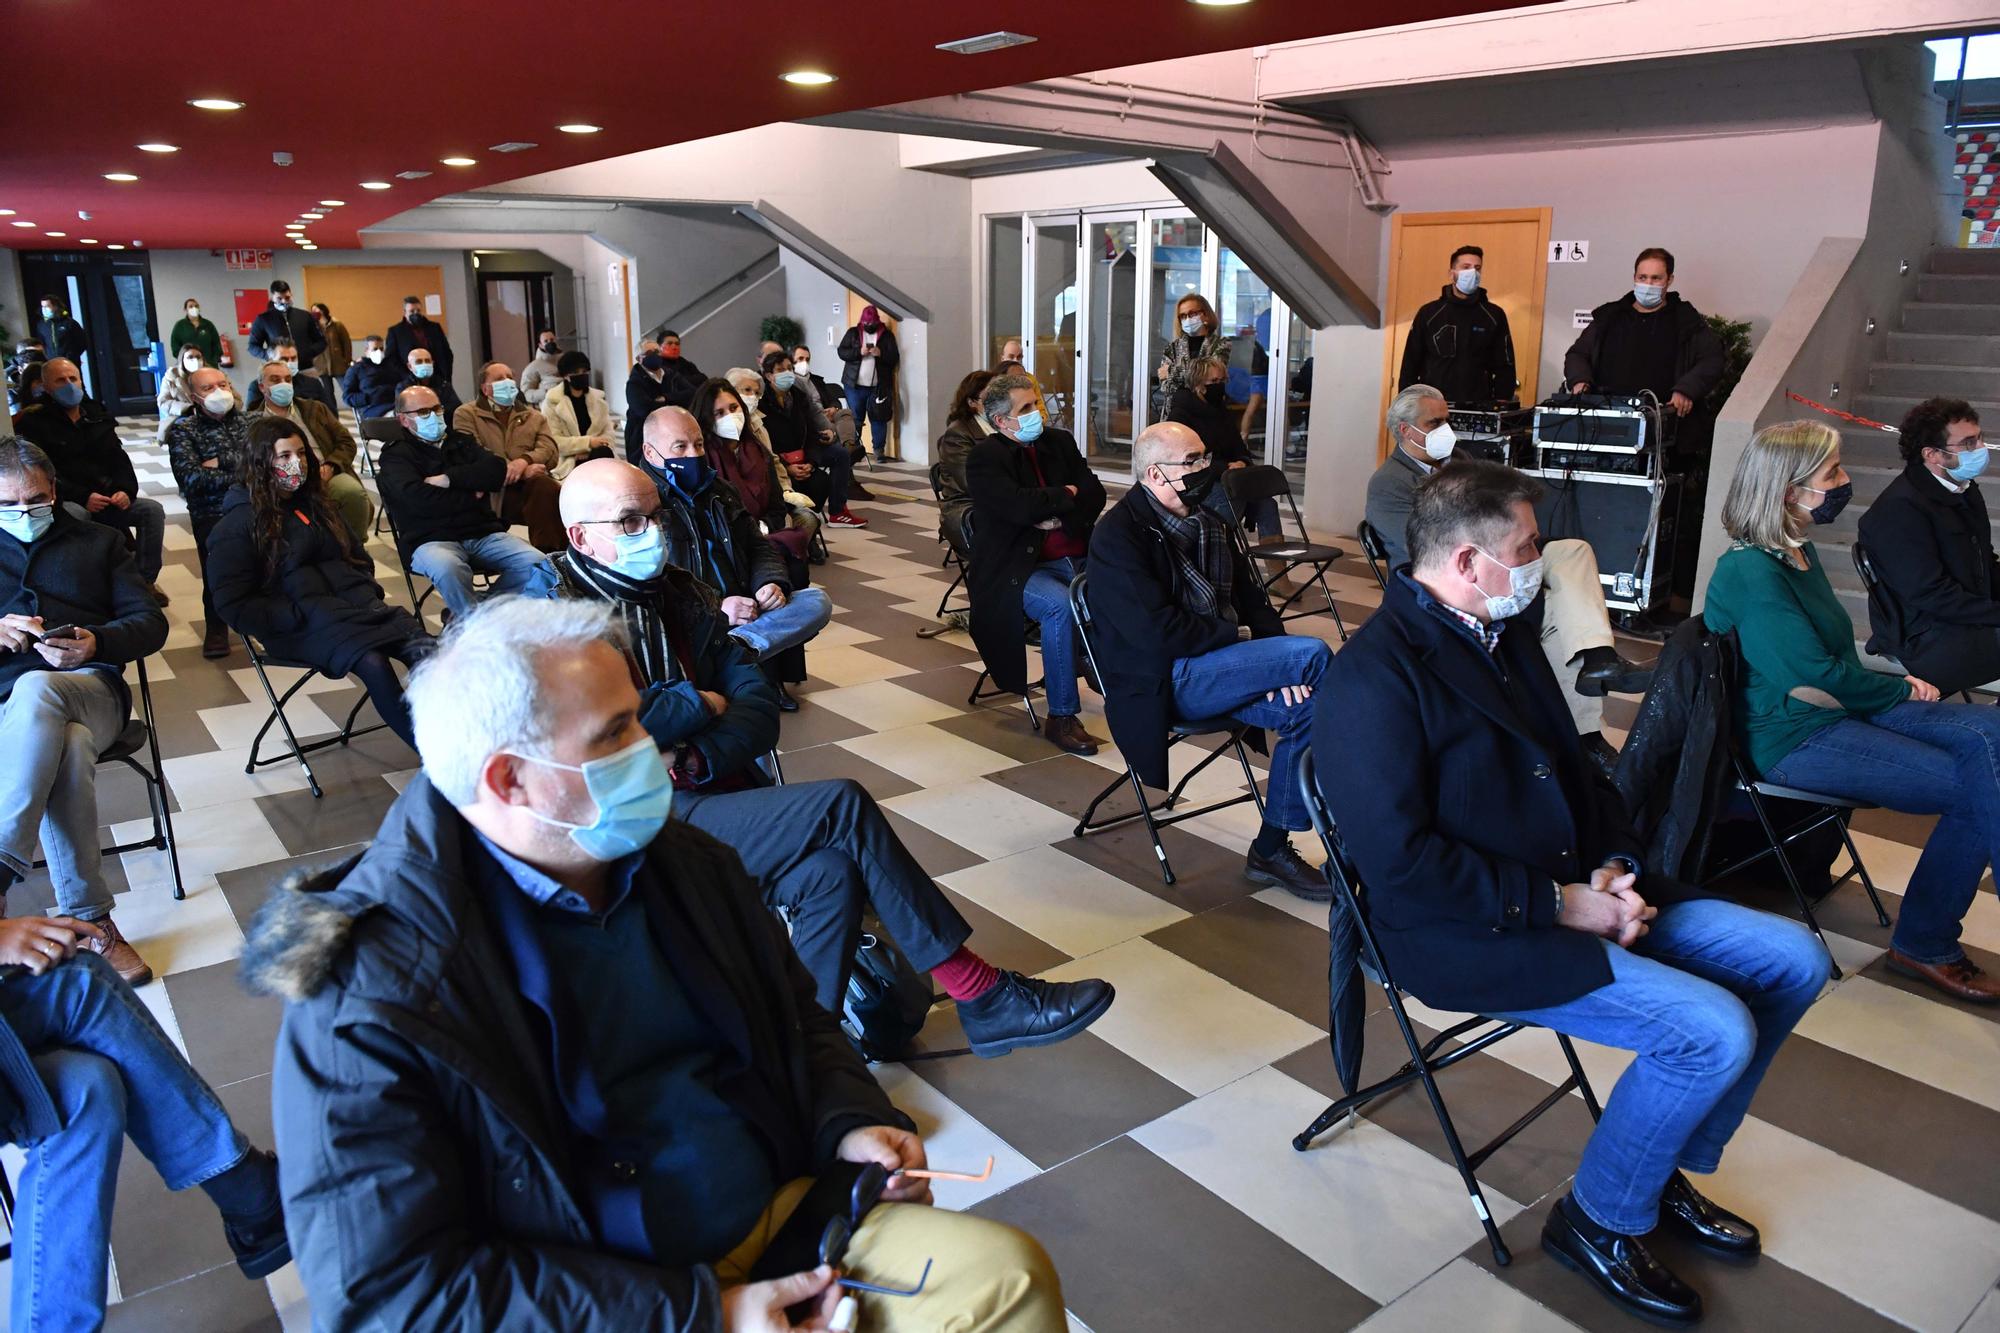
(1286,869)
(1024,1011)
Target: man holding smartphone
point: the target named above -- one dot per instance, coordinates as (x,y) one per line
(73,611)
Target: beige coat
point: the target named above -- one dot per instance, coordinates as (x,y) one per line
(576,438)
(522,432)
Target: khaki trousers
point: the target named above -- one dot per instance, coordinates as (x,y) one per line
(1574,618)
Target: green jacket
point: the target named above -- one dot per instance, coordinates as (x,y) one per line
(1792,632)
(206,337)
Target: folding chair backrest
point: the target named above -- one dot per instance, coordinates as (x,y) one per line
(381,430)
(1259,481)
(1377,552)
(1079,609)
(1864,566)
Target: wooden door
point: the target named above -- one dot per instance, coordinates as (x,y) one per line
(1515,275)
(368,298)
(864,432)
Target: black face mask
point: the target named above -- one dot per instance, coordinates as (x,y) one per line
(548,349)
(1831,502)
(414,316)
(1215,395)
(578,384)
(1196,484)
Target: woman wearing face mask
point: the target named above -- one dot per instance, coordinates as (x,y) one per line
(787,411)
(1203,407)
(804,488)
(741,458)
(175,398)
(330,442)
(201,333)
(339,353)
(579,416)
(1811,716)
(869,352)
(283,565)
(1199,334)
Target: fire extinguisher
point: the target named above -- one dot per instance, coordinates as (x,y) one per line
(228,354)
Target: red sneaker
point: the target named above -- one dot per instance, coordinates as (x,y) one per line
(847,518)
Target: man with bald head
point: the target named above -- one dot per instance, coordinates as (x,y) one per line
(819,851)
(205,448)
(93,471)
(510,428)
(1171,594)
(439,487)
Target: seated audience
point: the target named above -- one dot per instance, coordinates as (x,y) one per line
(684,375)
(205,448)
(331,445)
(539,375)
(803,440)
(1576,624)
(73,612)
(423,374)
(93,471)
(510,429)
(174,398)
(963,428)
(306,386)
(1171,593)
(24,383)
(370,383)
(83,1063)
(1203,407)
(1931,542)
(438,485)
(820,851)
(646,389)
(1033,502)
(288,570)
(711,535)
(1811,716)
(564,1164)
(579,416)
(1501,880)
(732,428)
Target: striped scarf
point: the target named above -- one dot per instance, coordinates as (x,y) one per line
(1200,543)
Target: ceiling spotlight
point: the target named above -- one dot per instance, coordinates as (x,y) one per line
(114,246)
(159,148)
(579,127)
(86,240)
(6,212)
(332,203)
(459,161)
(807,78)
(374,185)
(1221,4)
(24,224)
(215,104)
(137,244)
(120,176)
(55,233)
(313,216)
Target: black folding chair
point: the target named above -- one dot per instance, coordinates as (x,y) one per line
(1377,552)
(377,430)
(260,660)
(141,733)
(1245,486)
(1864,568)
(1349,930)
(1227,727)
(954,558)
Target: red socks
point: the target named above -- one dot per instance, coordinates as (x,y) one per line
(965,975)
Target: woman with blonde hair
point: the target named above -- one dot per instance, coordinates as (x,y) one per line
(1811,716)
(1200,330)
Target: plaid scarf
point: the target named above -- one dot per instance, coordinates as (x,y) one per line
(1200,543)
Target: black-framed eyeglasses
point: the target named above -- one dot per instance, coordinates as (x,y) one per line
(631,525)
(1185,462)
(28,511)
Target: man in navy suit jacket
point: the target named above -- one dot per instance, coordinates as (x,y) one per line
(1502,878)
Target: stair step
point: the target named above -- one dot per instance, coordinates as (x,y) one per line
(1942,349)
(1957,261)
(1971,289)
(1934,381)
(1950,317)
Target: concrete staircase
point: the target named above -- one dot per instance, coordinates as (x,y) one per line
(1947,342)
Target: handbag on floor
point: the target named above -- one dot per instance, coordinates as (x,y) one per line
(886,1000)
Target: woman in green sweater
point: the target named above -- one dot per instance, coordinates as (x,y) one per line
(1811,716)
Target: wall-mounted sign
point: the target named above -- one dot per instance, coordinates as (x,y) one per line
(1579,319)
(1569,252)
(238,260)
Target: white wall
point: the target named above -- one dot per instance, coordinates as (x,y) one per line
(14,309)
(820,303)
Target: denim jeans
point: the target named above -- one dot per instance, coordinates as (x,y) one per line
(111,1072)
(1232,682)
(792,624)
(52,727)
(878,424)
(450,566)
(1921,759)
(1703,1001)
(1045,597)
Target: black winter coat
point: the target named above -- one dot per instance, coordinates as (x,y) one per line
(274,325)
(1933,557)
(1462,347)
(370,389)
(644,395)
(426,513)
(62,336)
(1698,362)
(429,1178)
(887,359)
(1218,427)
(713,537)
(320,607)
(1007,501)
(1674,772)
(401,340)
(78,573)
(89,457)
(1142,629)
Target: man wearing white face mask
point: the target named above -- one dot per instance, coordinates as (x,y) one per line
(1460,342)
(205,449)
(1576,626)
(370,383)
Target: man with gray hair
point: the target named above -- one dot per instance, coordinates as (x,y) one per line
(73,612)
(1576,625)
(545,1050)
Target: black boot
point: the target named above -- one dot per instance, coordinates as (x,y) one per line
(1705,1222)
(1602,671)
(1619,1266)
(1024,1011)
(1286,869)
(786,703)
(253,1214)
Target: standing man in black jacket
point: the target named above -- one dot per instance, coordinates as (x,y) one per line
(417,330)
(1937,604)
(60,335)
(1460,343)
(437,484)
(1034,500)
(281,320)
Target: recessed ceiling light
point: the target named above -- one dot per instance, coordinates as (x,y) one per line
(159,148)
(114,246)
(374,185)
(980,45)
(1220,4)
(55,233)
(332,203)
(579,127)
(313,216)
(137,244)
(807,78)
(86,240)
(24,224)
(459,161)
(215,104)
(120,176)
(6,212)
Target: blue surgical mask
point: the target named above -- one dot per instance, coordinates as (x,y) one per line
(25,525)
(429,427)
(1191,325)
(784,379)
(1648,295)
(691,475)
(1524,583)
(1466,280)
(633,792)
(504,392)
(1028,426)
(422,370)
(641,555)
(1969,465)
(69,395)
(280,394)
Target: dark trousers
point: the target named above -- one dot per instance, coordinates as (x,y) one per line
(385,689)
(820,852)
(537,502)
(203,524)
(1960,657)
(839,467)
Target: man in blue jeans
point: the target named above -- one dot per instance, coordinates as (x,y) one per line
(442,490)
(1171,591)
(1502,879)
(83,1063)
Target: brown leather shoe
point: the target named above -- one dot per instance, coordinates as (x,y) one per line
(1067,734)
(216,644)
(118,951)
(1963,980)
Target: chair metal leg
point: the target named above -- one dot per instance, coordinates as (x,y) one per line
(278,712)
(1792,879)
(1152,829)
(1867,882)
(1582,1082)
(1501,1255)
(1249,775)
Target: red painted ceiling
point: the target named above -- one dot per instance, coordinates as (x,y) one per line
(366,89)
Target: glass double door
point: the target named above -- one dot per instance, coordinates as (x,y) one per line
(111,297)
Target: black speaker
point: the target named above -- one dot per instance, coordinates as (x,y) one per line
(1631,522)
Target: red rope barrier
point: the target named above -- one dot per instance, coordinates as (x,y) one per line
(1836,412)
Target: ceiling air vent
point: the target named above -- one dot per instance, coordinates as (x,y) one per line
(411,175)
(992,41)
(511,146)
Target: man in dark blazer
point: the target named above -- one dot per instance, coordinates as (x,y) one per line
(418,330)
(1937,603)
(1033,500)
(282,321)
(1171,592)
(1502,878)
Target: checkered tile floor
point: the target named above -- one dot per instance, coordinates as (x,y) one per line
(1151,1155)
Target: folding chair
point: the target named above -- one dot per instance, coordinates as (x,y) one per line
(954,558)
(260,659)
(1864,567)
(980,693)
(141,733)
(1377,552)
(1427,1059)
(1228,728)
(1245,486)
(377,430)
